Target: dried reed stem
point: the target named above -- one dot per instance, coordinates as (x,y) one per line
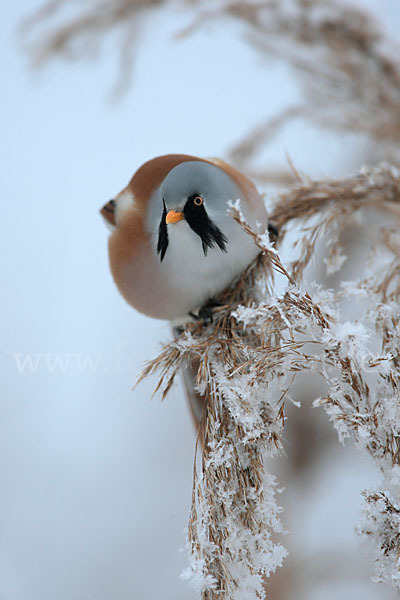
(248,360)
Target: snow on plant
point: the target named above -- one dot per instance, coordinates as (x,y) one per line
(247,361)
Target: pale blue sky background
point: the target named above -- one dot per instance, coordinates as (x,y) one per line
(95,478)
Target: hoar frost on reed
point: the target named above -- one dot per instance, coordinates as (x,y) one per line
(248,360)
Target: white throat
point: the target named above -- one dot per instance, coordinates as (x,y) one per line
(197,277)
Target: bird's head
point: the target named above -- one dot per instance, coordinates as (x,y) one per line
(174,243)
(192,201)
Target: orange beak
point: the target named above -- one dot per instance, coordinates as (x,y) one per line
(173,216)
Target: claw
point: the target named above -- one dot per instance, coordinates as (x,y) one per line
(205,313)
(273,230)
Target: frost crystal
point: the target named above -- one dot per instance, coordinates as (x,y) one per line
(245,364)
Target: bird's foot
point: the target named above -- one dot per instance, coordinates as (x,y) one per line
(205,313)
(272,230)
(178,330)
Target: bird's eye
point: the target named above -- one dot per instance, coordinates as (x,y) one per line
(198,200)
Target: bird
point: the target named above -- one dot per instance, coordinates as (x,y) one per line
(174,245)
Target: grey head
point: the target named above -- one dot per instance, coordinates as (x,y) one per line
(197,193)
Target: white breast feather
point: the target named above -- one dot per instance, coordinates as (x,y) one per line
(197,277)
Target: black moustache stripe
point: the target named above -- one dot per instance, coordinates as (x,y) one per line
(211,236)
(201,224)
(198,220)
(162,243)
